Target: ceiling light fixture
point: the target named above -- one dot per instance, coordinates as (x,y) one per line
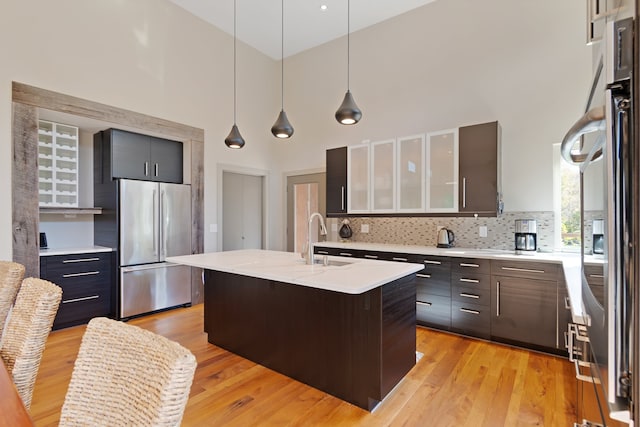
(323,7)
(234,139)
(282,128)
(348,113)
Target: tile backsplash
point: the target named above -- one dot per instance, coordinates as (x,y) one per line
(423,230)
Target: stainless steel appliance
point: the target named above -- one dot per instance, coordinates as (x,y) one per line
(154,223)
(445,238)
(611,330)
(526,235)
(597,235)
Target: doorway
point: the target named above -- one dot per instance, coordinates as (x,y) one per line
(242,211)
(306,194)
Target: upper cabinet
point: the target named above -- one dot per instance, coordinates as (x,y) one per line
(336,181)
(358,179)
(410,155)
(383,176)
(122,154)
(57,164)
(442,179)
(479,169)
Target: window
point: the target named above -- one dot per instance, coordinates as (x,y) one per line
(567,203)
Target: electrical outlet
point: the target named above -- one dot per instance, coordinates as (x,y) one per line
(213,228)
(364,228)
(482,231)
(334,227)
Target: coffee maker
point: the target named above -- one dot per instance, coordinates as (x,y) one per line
(526,235)
(598,236)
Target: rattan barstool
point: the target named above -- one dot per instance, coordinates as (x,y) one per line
(11,275)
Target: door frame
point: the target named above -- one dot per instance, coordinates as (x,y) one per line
(223,167)
(285,177)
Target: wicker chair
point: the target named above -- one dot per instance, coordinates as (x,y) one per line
(11,274)
(127,376)
(27,330)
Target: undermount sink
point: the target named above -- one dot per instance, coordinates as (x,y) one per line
(320,261)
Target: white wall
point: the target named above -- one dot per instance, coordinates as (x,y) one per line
(449,63)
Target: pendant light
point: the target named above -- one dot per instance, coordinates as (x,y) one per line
(234,139)
(348,113)
(282,128)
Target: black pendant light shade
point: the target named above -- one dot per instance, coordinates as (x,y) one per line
(234,139)
(282,128)
(348,113)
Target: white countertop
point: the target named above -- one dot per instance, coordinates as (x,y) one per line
(73,250)
(355,277)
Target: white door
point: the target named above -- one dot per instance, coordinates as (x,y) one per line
(242,211)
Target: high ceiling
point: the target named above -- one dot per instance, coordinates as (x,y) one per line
(306,24)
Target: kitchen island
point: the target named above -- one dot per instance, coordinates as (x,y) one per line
(346,328)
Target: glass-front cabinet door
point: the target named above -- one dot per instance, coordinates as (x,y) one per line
(442,171)
(358,179)
(383,176)
(410,152)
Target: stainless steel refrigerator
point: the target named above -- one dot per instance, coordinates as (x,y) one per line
(154,223)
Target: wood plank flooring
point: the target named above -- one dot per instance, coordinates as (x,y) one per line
(458,382)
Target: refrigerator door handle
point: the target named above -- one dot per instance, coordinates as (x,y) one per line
(163,214)
(592,121)
(155,222)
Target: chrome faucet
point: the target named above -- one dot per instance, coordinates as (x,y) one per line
(323,232)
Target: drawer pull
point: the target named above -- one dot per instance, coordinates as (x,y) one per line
(88,273)
(427,304)
(466,310)
(424,276)
(470,295)
(80,299)
(323,253)
(524,270)
(469,280)
(399,259)
(66,261)
(464,264)
(371,256)
(597,276)
(567,303)
(345,254)
(427,261)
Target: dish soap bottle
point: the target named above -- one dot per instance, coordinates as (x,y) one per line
(345,231)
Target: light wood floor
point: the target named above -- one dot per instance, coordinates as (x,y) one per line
(458,382)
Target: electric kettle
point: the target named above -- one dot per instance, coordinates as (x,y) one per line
(445,238)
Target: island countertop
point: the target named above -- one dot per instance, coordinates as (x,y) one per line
(351,276)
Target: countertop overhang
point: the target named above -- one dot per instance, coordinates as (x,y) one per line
(356,276)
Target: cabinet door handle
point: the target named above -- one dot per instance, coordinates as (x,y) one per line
(399,259)
(597,276)
(146,168)
(524,270)
(66,261)
(469,280)
(323,253)
(424,276)
(88,273)
(371,256)
(470,295)
(80,299)
(464,264)
(345,254)
(567,303)
(464,192)
(427,261)
(342,197)
(498,299)
(466,310)
(426,304)
(155,169)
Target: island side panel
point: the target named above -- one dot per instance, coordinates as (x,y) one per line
(329,340)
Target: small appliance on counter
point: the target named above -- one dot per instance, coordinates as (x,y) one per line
(526,235)
(345,231)
(43,241)
(445,238)
(598,236)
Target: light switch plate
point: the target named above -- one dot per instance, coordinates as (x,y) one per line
(213,228)
(482,231)
(364,228)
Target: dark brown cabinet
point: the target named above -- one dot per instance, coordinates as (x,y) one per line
(479,169)
(433,291)
(524,301)
(122,154)
(336,182)
(470,297)
(87,284)
(595,278)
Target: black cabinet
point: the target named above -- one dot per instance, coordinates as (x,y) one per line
(336,182)
(479,168)
(433,291)
(122,154)
(87,284)
(524,303)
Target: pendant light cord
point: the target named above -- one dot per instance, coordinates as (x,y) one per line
(234,62)
(348,44)
(282,55)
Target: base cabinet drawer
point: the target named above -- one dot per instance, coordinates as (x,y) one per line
(434,310)
(471,319)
